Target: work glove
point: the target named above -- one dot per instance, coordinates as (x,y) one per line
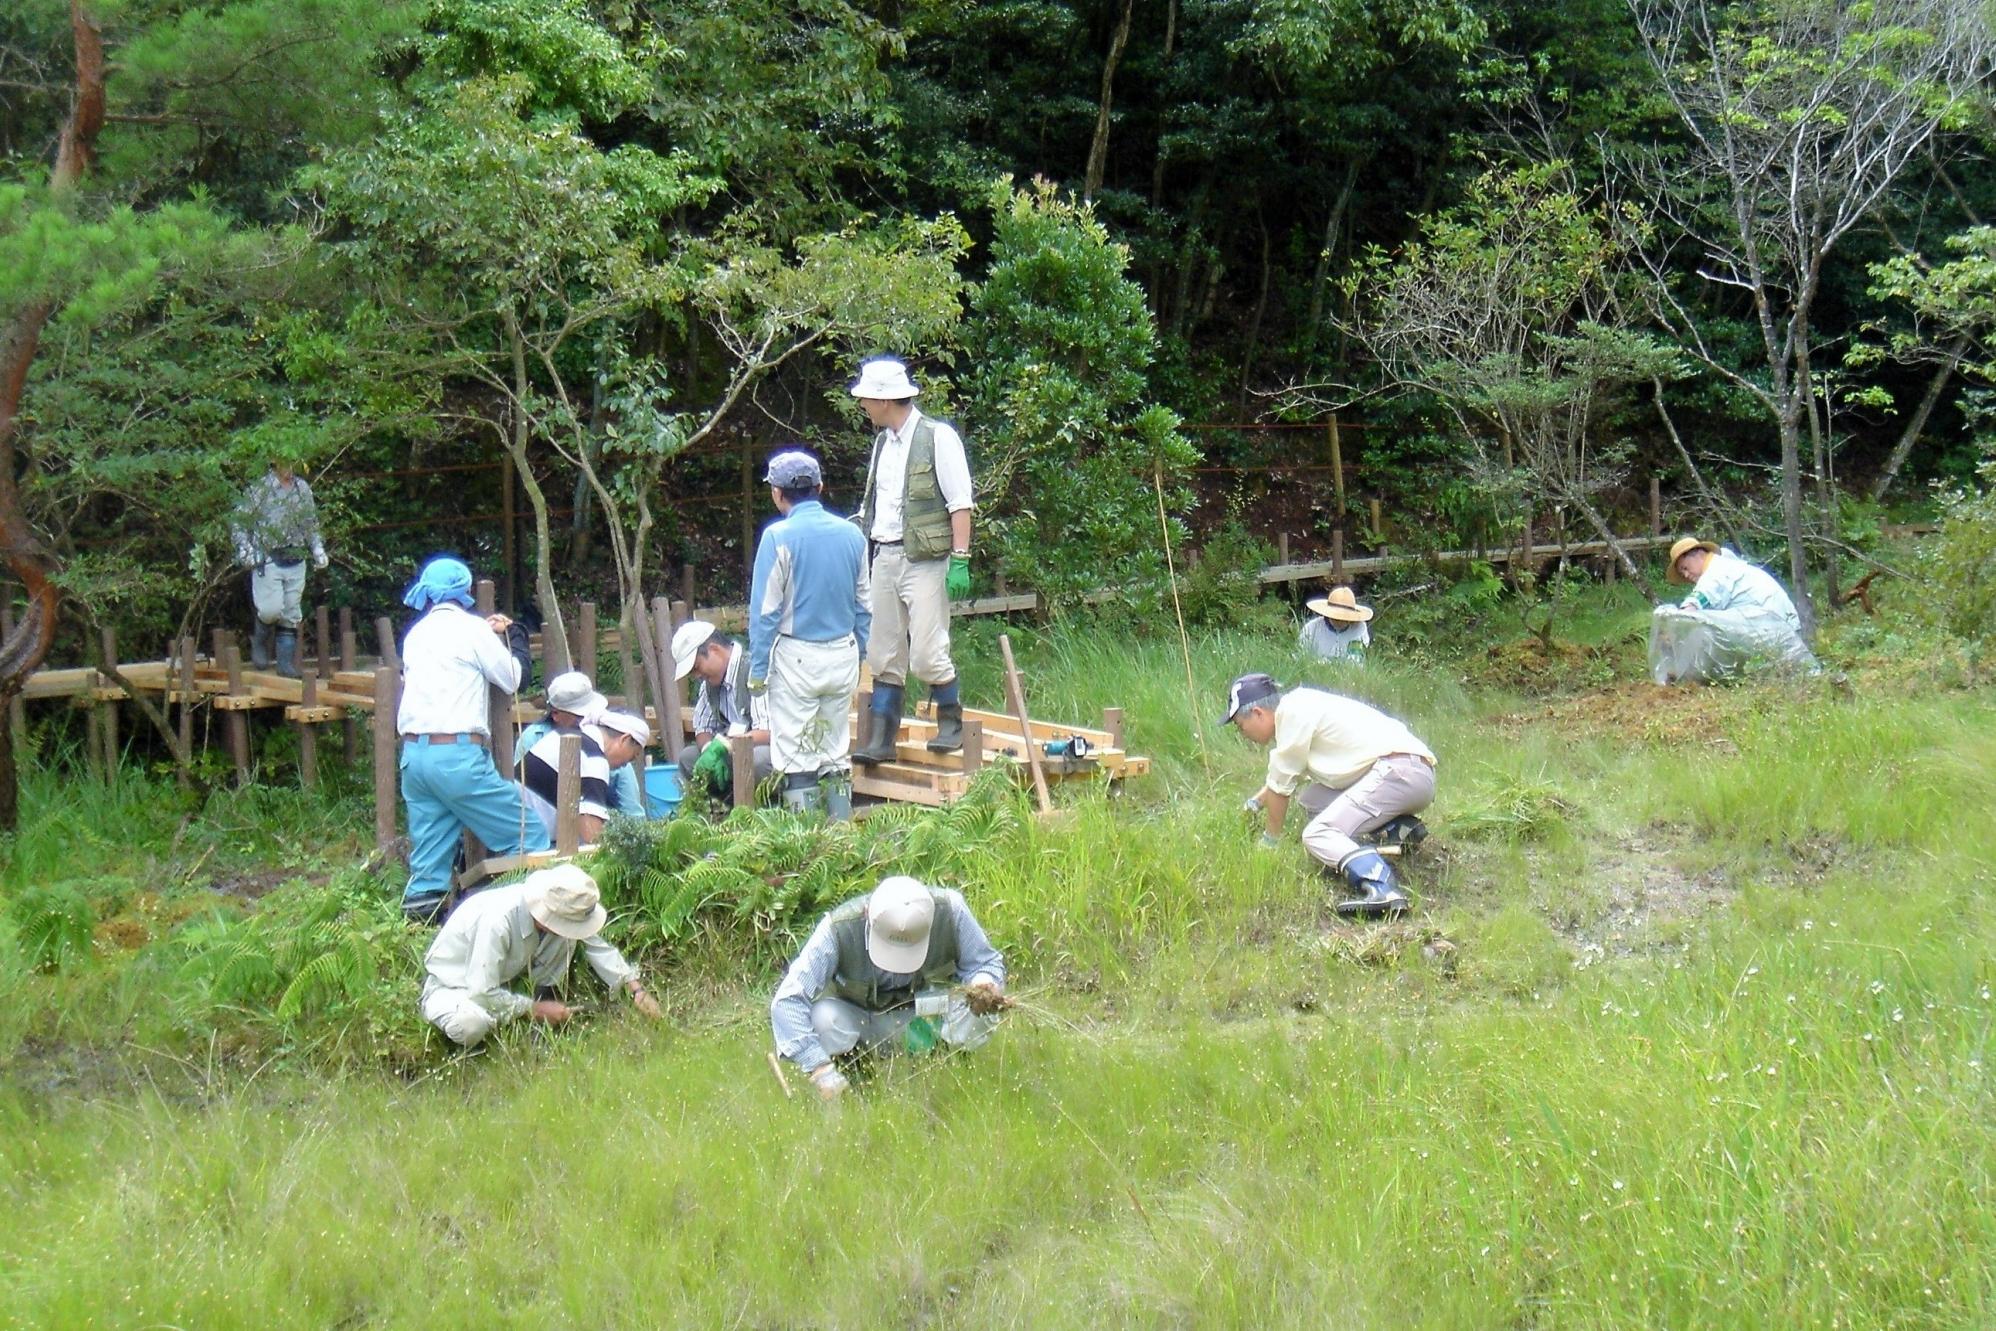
(984,997)
(714,765)
(957,583)
(831,1083)
(758,686)
(1268,841)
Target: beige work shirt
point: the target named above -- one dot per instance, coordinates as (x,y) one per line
(490,940)
(1331,740)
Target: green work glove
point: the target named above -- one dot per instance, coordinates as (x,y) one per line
(715,766)
(957,584)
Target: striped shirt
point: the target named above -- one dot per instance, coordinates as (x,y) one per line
(541,775)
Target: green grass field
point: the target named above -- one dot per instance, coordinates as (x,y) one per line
(1693,1028)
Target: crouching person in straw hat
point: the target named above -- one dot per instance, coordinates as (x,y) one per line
(1357,769)
(531,927)
(723,707)
(1336,630)
(1736,618)
(449,782)
(877,970)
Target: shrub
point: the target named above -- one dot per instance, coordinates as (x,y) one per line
(52,924)
(1958,566)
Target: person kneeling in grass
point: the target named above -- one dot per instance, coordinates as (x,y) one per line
(1357,768)
(529,927)
(876,971)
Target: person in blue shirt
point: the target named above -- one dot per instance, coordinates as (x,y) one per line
(808,616)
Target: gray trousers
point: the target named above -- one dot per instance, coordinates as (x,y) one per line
(842,1027)
(1396,784)
(278,592)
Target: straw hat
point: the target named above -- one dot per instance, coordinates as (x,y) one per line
(898,917)
(1340,605)
(1680,549)
(563,900)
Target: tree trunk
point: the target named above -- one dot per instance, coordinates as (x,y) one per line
(1615,550)
(30,560)
(1904,448)
(1791,517)
(553,632)
(1332,226)
(1098,150)
(1819,461)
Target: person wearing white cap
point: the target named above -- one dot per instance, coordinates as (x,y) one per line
(915,511)
(807,617)
(608,741)
(1336,629)
(1357,770)
(723,707)
(571,700)
(877,970)
(531,927)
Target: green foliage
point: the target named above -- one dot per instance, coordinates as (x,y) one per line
(52,924)
(1957,567)
(1517,952)
(1058,344)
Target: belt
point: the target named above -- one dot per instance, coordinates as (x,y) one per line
(453,737)
(821,642)
(887,542)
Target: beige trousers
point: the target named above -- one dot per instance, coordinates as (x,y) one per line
(910,631)
(1396,784)
(278,593)
(810,704)
(453,1012)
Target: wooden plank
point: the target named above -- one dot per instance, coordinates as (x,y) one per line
(972,754)
(867,781)
(1015,688)
(741,757)
(245,702)
(309,715)
(494,865)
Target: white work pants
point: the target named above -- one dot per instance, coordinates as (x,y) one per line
(1396,784)
(910,602)
(278,592)
(453,1012)
(811,685)
(842,1027)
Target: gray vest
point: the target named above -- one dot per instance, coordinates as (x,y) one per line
(854,979)
(925,532)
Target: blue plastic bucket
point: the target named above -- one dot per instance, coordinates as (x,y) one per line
(662,792)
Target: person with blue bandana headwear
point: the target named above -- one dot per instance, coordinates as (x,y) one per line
(449,659)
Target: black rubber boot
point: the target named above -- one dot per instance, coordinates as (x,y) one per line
(1403,830)
(949,728)
(835,791)
(800,792)
(287,653)
(260,643)
(883,727)
(1376,890)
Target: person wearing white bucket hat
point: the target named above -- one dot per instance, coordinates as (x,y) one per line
(877,971)
(915,513)
(1336,630)
(532,927)
(723,707)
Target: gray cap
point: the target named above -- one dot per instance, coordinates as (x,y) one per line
(792,468)
(1246,691)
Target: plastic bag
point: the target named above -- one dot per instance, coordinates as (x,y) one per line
(1704,646)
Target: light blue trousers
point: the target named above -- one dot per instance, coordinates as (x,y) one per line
(447,788)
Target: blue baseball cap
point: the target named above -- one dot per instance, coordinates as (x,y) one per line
(1246,691)
(792,468)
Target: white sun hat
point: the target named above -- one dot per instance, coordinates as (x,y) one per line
(563,900)
(884,378)
(898,916)
(686,640)
(571,691)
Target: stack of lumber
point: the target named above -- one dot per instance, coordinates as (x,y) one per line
(918,776)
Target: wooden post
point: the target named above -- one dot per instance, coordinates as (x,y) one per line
(387,758)
(1015,689)
(682,611)
(1378,527)
(1112,721)
(568,797)
(741,755)
(238,722)
(1655,506)
(107,646)
(585,640)
(672,733)
(384,640)
(17,711)
(322,623)
(498,720)
(1337,553)
(973,746)
(187,696)
(686,584)
(1338,468)
(349,654)
(1282,548)
(308,732)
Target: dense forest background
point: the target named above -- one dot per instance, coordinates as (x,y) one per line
(588,261)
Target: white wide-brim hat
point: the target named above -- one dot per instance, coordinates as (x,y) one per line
(898,917)
(884,378)
(563,900)
(686,640)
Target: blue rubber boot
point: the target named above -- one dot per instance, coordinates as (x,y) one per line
(1376,890)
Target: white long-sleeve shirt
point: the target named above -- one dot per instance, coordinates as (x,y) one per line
(448,660)
(490,941)
(1730,583)
(1329,739)
(890,474)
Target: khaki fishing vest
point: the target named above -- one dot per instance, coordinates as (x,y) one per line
(853,981)
(925,532)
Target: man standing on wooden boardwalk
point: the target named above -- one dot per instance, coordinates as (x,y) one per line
(807,617)
(915,511)
(276,526)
